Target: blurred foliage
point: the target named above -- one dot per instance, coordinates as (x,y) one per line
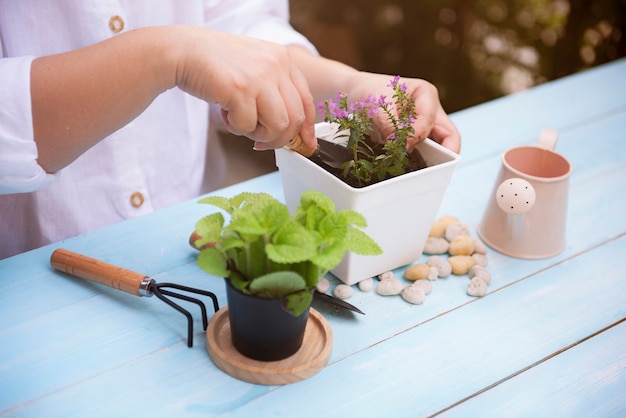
(472,50)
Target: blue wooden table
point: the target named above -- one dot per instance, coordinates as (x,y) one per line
(549,339)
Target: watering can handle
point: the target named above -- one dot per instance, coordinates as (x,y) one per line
(548,138)
(106,274)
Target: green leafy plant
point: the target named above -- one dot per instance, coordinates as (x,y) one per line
(374,162)
(269,253)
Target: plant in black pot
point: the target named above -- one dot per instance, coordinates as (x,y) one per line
(272,261)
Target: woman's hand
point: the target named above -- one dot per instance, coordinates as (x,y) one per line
(262,94)
(431,121)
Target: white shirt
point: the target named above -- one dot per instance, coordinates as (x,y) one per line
(161,158)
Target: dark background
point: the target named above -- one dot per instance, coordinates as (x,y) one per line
(472,50)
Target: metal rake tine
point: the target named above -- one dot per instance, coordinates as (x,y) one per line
(184,288)
(161,296)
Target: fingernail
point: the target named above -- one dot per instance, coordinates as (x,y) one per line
(260,146)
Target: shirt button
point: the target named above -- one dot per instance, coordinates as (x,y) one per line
(116,24)
(136,199)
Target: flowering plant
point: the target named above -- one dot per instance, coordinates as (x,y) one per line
(373,162)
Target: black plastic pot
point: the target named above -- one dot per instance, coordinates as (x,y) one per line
(261,329)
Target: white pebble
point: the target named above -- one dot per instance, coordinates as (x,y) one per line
(456,229)
(389,287)
(423,284)
(479,247)
(386,275)
(366,285)
(343,291)
(413,295)
(480,272)
(433,274)
(436,245)
(480,259)
(323,285)
(477,287)
(441,264)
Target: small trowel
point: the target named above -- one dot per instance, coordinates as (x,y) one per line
(330,153)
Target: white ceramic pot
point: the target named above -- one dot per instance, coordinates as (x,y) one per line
(399,211)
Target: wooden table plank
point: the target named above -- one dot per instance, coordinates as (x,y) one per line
(587,380)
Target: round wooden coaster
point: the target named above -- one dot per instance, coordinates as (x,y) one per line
(309,360)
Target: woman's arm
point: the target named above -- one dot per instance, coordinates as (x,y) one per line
(82,96)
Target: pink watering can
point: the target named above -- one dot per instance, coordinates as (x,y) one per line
(527,212)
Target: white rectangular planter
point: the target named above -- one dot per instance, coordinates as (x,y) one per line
(399,211)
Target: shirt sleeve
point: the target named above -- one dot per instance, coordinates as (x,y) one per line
(262,19)
(19,170)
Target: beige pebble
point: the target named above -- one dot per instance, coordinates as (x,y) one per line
(417,272)
(323,285)
(437,229)
(389,287)
(441,264)
(386,275)
(461,264)
(343,291)
(413,295)
(480,272)
(479,247)
(480,259)
(447,220)
(366,285)
(461,245)
(476,287)
(423,284)
(456,229)
(436,245)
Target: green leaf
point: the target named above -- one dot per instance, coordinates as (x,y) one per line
(359,242)
(291,244)
(297,303)
(353,217)
(231,241)
(238,200)
(218,201)
(265,216)
(209,228)
(239,282)
(213,262)
(330,256)
(277,284)
(311,217)
(332,228)
(314,198)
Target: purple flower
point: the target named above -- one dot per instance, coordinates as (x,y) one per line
(382,101)
(394,81)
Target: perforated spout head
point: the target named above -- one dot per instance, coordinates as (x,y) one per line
(515,196)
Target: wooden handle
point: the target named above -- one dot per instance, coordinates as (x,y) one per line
(298,145)
(100,272)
